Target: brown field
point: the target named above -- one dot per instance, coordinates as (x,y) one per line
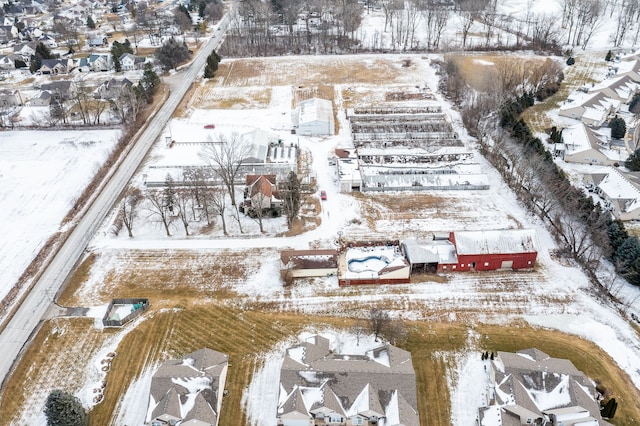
(244,335)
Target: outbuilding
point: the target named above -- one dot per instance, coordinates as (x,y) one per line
(508,249)
(314,117)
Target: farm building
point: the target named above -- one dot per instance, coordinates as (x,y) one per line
(430,255)
(512,249)
(314,117)
(309,263)
(321,387)
(379,262)
(407,148)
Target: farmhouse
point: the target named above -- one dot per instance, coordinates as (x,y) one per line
(531,388)
(188,391)
(511,249)
(373,262)
(309,263)
(321,387)
(620,195)
(314,117)
(262,193)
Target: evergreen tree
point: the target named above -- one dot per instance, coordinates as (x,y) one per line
(618,127)
(609,56)
(90,23)
(633,161)
(212,65)
(627,257)
(118,49)
(571,60)
(64,409)
(172,53)
(617,234)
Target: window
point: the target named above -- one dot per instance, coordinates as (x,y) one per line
(454,267)
(357,420)
(486,263)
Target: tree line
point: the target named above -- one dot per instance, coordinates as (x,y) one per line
(204,193)
(586,232)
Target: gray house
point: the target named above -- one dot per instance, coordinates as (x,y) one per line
(198,379)
(530,387)
(320,387)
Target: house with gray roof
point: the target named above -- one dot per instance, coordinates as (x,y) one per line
(530,387)
(322,387)
(188,391)
(129,62)
(112,88)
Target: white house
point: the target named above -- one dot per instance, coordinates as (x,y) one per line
(129,62)
(581,144)
(314,117)
(620,195)
(591,108)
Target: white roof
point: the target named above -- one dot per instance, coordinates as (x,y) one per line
(616,186)
(496,242)
(315,109)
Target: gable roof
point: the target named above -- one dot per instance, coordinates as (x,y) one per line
(379,383)
(495,242)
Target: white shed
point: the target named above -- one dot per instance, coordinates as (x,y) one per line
(314,117)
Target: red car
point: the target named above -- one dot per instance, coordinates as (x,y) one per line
(323,195)
(210,126)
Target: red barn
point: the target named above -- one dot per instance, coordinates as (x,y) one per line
(512,249)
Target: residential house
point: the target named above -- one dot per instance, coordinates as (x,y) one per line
(198,379)
(592,109)
(6,63)
(529,387)
(100,62)
(53,67)
(64,89)
(629,67)
(620,195)
(8,33)
(506,249)
(581,144)
(621,88)
(41,99)
(98,41)
(26,50)
(48,40)
(262,193)
(321,387)
(129,62)
(314,117)
(112,88)
(11,98)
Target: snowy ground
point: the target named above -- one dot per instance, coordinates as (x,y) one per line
(41,174)
(49,169)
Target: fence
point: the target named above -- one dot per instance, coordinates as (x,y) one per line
(134,314)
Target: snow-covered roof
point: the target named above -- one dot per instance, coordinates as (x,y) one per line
(315,109)
(495,242)
(430,251)
(617,187)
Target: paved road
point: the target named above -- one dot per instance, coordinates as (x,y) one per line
(16,335)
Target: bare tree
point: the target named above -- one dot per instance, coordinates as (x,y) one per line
(379,321)
(218,199)
(129,208)
(225,160)
(290,195)
(468,11)
(182,201)
(158,206)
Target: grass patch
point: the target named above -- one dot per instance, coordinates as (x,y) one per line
(67,345)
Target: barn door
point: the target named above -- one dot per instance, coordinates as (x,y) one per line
(507,264)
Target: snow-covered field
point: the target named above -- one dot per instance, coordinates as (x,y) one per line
(41,175)
(42,172)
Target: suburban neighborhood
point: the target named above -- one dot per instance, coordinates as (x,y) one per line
(344,213)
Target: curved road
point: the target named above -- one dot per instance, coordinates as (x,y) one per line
(19,330)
